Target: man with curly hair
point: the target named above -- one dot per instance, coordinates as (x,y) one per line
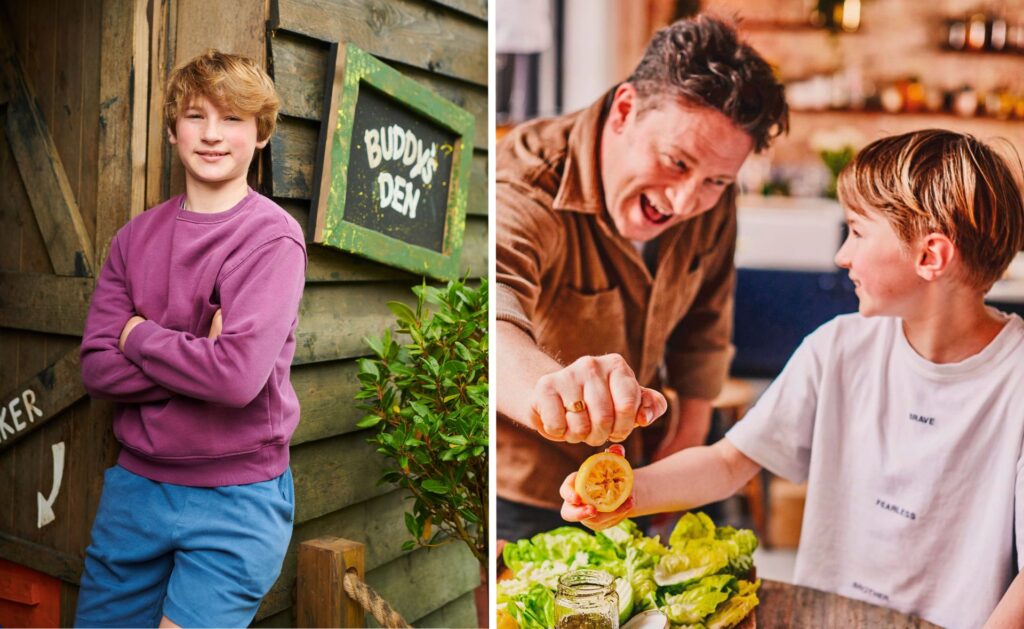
(615,240)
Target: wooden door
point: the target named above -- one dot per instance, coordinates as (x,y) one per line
(67,182)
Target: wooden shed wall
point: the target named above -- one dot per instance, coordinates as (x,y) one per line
(443,45)
(96,75)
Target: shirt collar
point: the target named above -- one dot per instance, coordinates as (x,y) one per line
(581,189)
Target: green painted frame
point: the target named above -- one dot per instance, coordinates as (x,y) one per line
(353,66)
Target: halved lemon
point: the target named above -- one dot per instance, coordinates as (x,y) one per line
(605,481)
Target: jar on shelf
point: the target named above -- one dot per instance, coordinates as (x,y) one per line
(913,95)
(997,33)
(977,31)
(586,599)
(965,102)
(956,34)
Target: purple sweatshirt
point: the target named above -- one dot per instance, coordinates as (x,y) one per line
(194,411)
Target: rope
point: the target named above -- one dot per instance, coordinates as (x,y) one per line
(357,589)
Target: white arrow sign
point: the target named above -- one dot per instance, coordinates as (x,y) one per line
(46,504)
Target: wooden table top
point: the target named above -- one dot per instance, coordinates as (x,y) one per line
(787,605)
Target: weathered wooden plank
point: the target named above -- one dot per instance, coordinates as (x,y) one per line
(300,73)
(234,27)
(293,151)
(408,31)
(475,8)
(476,205)
(331,265)
(29,474)
(334,319)
(12,191)
(378,523)
(10,341)
(459,613)
(163,15)
(284,619)
(40,399)
(44,303)
(67,124)
(425,580)
(124,54)
(68,529)
(37,49)
(53,202)
(92,37)
(326,394)
(334,473)
(42,558)
(474,248)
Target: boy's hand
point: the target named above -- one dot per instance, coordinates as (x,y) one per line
(216,326)
(575,510)
(128,327)
(593,400)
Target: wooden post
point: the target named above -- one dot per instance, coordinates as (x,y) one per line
(321,600)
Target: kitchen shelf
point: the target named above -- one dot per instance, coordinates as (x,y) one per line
(930,115)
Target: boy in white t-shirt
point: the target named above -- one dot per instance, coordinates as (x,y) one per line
(907,419)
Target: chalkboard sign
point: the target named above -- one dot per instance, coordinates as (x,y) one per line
(393,169)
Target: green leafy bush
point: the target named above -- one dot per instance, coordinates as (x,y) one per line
(429,398)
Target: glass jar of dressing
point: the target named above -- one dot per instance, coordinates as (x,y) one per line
(586,599)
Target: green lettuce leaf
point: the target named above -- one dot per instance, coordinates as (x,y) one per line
(533,609)
(692,526)
(640,572)
(700,599)
(690,560)
(741,545)
(733,611)
(622,534)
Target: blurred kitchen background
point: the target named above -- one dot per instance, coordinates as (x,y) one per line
(855,70)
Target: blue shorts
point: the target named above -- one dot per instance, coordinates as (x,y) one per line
(202,556)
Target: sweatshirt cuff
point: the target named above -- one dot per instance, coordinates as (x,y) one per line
(138,336)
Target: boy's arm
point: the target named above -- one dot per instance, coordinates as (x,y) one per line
(260,301)
(687,479)
(1010,610)
(106,372)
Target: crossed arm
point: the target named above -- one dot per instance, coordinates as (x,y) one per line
(106,372)
(128,358)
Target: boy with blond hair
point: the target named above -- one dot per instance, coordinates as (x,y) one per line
(192,332)
(905,419)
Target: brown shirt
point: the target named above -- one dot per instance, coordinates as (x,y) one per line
(567,278)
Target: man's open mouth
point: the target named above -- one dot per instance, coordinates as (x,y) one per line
(652,213)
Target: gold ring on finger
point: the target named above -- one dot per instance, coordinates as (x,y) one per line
(577,407)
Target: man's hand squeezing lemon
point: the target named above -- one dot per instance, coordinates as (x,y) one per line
(594,400)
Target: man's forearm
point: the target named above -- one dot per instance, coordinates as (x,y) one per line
(522,364)
(691,478)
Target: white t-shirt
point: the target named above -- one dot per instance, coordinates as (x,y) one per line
(915,478)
